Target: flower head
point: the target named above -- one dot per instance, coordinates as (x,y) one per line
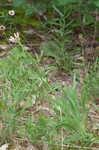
(2,28)
(14,38)
(11,12)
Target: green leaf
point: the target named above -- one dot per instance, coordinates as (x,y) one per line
(50,49)
(96,3)
(62,2)
(17,3)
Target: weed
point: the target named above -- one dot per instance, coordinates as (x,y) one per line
(56,46)
(20,85)
(92,81)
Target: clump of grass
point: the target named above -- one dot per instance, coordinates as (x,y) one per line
(24,83)
(66,125)
(71,115)
(20,85)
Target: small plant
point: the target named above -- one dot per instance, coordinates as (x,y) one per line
(71,115)
(56,46)
(21,87)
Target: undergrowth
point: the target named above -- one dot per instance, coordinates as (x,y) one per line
(34,110)
(30,107)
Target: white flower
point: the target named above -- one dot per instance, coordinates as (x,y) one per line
(4,147)
(2,28)
(11,12)
(14,38)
